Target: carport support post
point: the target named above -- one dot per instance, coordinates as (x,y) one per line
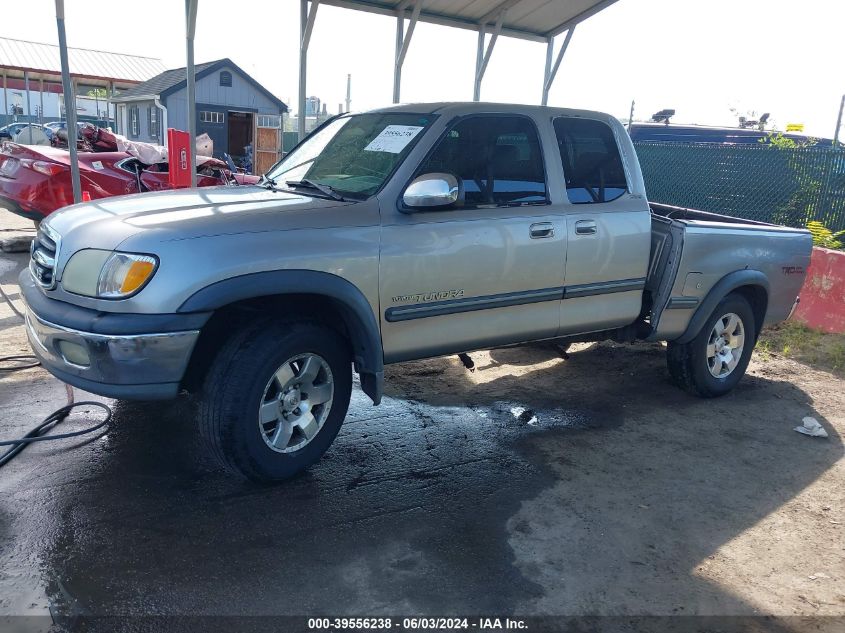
(306,23)
(191,82)
(28,104)
(482,58)
(551,71)
(838,121)
(70,102)
(402,42)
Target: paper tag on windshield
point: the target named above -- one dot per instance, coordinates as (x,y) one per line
(393,138)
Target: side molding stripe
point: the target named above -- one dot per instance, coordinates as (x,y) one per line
(603,288)
(682,303)
(471,304)
(456,306)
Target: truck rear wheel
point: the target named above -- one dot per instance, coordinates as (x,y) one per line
(275,397)
(713,362)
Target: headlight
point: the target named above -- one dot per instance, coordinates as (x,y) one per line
(107,274)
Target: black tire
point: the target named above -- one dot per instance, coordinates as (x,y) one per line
(235,387)
(688,362)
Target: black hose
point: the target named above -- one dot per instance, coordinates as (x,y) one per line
(39,433)
(23,361)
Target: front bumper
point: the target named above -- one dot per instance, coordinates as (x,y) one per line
(131,356)
(133,367)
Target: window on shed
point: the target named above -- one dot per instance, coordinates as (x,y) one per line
(269,120)
(497,158)
(210,117)
(134,122)
(152,121)
(226,78)
(592,166)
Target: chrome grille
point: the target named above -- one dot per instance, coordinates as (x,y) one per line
(43,255)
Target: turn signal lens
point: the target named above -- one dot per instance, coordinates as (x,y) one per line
(124,274)
(137,274)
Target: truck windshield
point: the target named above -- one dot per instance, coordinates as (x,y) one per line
(353,155)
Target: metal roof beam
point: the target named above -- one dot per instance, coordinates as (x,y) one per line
(403,41)
(431,17)
(580,17)
(497,11)
(483,57)
(551,71)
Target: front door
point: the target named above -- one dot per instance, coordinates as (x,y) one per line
(486,270)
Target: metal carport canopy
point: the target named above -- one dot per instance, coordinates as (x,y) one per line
(533,20)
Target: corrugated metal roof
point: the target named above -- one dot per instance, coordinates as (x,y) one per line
(527,19)
(36,56)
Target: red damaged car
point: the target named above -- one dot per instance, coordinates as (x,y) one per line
(35,180)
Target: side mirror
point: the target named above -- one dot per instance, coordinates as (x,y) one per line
(431,191)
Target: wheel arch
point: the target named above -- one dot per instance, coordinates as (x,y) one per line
(751,284)
(322,296)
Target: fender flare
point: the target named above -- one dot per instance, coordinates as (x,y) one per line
(357,313)
(719,291)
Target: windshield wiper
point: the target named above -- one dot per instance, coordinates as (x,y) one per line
(265,180)
(310,184)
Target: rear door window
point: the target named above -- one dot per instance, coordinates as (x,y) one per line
(592,166)
(497,159)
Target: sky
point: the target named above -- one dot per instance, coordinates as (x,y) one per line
(701,58)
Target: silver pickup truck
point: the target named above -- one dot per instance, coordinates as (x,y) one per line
(402,233)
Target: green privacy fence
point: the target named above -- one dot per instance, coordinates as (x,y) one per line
(790,186)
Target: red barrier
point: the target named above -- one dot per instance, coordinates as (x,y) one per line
(822,303)
(179,157)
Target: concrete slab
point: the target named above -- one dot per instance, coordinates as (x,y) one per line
(16,243)
(16,233)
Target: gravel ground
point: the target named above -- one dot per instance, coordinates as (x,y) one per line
(535,485)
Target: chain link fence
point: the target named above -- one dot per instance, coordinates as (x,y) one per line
(790,186)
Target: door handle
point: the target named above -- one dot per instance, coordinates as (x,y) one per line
(585,227)
(541,230)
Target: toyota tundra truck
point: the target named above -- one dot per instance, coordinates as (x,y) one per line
(403,233)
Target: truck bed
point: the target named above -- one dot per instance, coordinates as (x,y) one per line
(692,250)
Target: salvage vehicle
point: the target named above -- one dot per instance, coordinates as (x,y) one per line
(403,233)
(35,181)
(20,132)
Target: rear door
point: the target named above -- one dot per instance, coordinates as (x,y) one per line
(609,229)
(486,270)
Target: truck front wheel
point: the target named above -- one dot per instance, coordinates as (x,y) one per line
(716,359)
(275,397)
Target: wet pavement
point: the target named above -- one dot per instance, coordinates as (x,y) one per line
(533,486)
